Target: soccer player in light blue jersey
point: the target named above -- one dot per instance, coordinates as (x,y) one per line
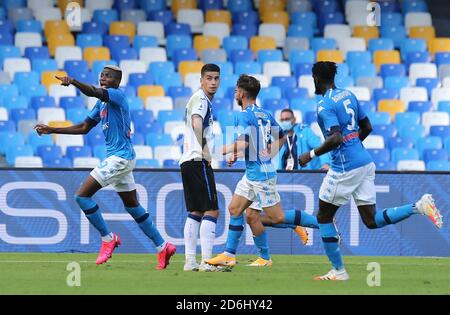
(345,125)
(259,137)
(112,112)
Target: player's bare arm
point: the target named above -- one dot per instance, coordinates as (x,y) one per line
(79,129)
(197,125)
(86,89)
(365,128)
(332,142)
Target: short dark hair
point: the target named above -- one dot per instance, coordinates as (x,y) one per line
(287,110)
(250,85)
(210,67)
(325,71)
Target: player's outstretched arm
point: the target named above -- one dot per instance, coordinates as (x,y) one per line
(365,128)
(86,89)
(80,129)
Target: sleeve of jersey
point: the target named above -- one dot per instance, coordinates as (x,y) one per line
(329,117)
(117,97)
(95,112)
(201,108)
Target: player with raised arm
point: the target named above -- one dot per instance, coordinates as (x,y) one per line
(260,136)
(344,126)
(111,110)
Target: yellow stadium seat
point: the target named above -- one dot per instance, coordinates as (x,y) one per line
(392,107)
(271,6)
(366,32)
(262,42)
(425,32)
(183,4)
(439,45)
(60,124)
(48,78)
(330,55)
(218,16)
(62,4)
(53,27)
(57,40)
(381,57)
(205,42)
(123,28)
(92,54)
(186,67)
(277,17)
(145,91)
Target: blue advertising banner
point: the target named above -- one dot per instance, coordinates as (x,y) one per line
(38,214)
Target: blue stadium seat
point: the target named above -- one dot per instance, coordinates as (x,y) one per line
(221,104)
(239,5)
(178,29)
(152,6)
(206,5)
(303,68)
(396,82)
(124,54)
(245,30)
(400,154)
(386,131)
(6,27)
(175,42)
(15,102)
(86,77)
(185,54)
(379,118)
(267,55)
(156,139)
(226,118)
(226,68)
(247,67)
(440,131)
(320,43)
(441,58)
(77,115)
(10,4)
(147,163)
(18,114)
(396,33)
(355,58)
(61,162)
(73,152)
(406,119)
(414,6)
(25,79)
(409,45)
(170,164)
(414,132)
(420,107)
(138,79)
(304,18)
(385,94)
(296,93)
(286,84)
(444,106)
(10,138)
(145,127)
(142,41)
(391,70)
(380,44)
(301,56)
(274,104)
(248,17)
(344,82)
(389,6)
(98,65)
(417,57)
(163,16)
(33,90)
(241,55)
(363,70)
(9,51)
(435,155)
(140,117)
(329,18)
(89,40)
(71,102)
(37,53)
(385,166)
(380,155)
(73,67)
(429,83)
(391,19)
(95,28)
(14,151)
(48,152)
(41,65)
(170,79)
(32,26)
(179,91)
(36,141)
(135,103)
(231,43)
(400,142)
(6,39)
(106,16)
(440,166)
(126,4)
(137,139)
(269,92)
(170,115)
(447,145)
(298,30)
(428,143)
(368,106)
(42,101)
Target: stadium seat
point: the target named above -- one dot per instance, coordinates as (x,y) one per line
(386,131)
(12,152)
(435,119)
(400,142)
(439,166)
(392,107)
(414,132)
(258,43)
(74,152)
(400,154)
(28,162)
(193,17)
(374,142)
(10,139)
(406,119)
(420,107)
(410,165)
(440,131)
(413,94)
(147,163)
(330,55)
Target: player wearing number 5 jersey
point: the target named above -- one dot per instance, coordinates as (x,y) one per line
(344,126)
(259,139)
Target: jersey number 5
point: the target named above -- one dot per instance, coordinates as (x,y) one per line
(351,112)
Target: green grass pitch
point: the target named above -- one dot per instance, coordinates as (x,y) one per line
(33,273)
